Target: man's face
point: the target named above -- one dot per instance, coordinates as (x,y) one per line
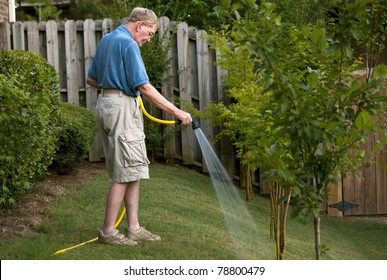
(145,33)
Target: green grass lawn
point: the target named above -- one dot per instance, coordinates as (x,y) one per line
(181,206)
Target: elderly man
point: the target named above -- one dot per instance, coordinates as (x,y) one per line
(118,70)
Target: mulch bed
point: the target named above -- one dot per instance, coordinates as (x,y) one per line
(23,219)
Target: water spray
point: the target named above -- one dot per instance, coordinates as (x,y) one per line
(235,213)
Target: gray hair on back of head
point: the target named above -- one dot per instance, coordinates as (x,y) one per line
(144,14)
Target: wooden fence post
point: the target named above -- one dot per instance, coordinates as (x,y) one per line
(185,89)
(226,148)
(381,173)
(107,26)
(335,196)
(32,37)
(52,44)
(203,83)
(72,74)
(5,36)
(167,90)
(90,46)
(18,35)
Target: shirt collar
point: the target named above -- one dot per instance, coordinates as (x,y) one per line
(124,29)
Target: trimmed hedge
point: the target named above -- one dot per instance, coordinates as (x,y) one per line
(29,105)
(78,128)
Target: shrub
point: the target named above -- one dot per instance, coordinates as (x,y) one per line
(78,127)
(29,98)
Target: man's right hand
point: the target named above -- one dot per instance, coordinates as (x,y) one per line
(184,117)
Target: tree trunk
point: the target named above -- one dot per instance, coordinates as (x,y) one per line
(284,213)
(317,222)
(279,213)
(246,180)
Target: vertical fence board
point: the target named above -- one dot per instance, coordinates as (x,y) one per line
(381,180)
(359,195)
(226,148)
(90,46)
(381,173)
(370,179)
(354,191)
(348,190)
(18,36)
(62,59)
(335,196)
(5,36)
(42,41)
(167,90)
(32,37)
(204,83)
(107,26)
(71,62)
(193,88)
(52,44)
(184,88)
(80,61)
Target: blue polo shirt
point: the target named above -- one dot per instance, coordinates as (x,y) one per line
(118,64)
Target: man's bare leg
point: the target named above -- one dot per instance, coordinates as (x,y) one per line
(131,199)
(113,205)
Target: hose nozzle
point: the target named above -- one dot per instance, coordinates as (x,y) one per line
(195,123)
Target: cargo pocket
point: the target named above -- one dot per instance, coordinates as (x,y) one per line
(134,149)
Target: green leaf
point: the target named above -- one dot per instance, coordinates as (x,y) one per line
(262,54)
(278,20)
(236,6)
(219,10)
(237,15)
(225,3)
(315,36)
(268,48)
(305,30)
(295,212)
(316,212)
(285,106)
(355,33)
(251,2)
(380,71)
(312,79)
(322,43)
(273,149)
(348,52)
(363,120)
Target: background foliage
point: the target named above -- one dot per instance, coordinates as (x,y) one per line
(198,13)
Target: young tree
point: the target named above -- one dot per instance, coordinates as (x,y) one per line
(319,110)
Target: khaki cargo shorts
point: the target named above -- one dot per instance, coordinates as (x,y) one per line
(121,127)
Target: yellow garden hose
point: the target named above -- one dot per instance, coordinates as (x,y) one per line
(94,239)
(151,117)
(124,210)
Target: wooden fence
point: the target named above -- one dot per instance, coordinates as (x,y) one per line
(367,187)
(69,46)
